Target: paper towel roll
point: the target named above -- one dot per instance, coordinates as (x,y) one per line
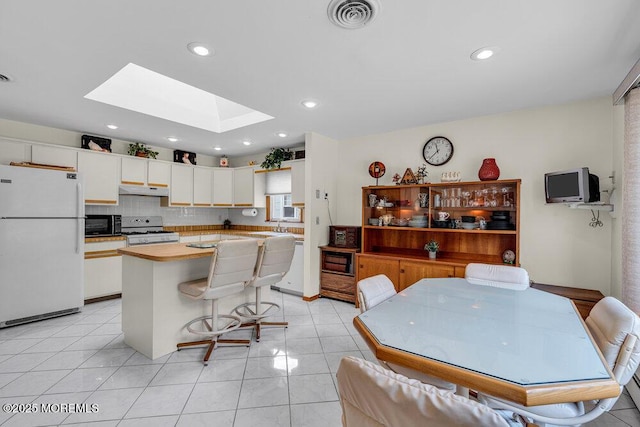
(249,212)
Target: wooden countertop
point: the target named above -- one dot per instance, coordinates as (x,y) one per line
(168,252)
(255,234)
(104,239)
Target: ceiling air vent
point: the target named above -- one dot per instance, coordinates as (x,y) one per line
(353,14)
(4,78)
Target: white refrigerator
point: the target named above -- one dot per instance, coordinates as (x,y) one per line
(41,244)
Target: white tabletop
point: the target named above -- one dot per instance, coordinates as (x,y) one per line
(525,337)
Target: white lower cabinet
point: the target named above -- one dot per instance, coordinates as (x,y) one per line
(209,237)
(102,269)
(190,239)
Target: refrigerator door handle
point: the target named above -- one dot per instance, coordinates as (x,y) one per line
(80,217)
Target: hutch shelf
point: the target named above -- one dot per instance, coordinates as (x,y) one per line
(411,216)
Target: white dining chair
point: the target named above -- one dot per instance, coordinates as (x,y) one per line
(375,290)
(274,261)
(615,329)
(499,276)
(232,266)
(371,395)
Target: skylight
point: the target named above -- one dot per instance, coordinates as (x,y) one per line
(139,89)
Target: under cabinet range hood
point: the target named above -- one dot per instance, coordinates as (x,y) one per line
(141,190)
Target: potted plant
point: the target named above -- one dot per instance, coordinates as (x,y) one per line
(432,246)
(141,150)
(276,157)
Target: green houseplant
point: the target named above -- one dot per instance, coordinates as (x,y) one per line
(276,157)
(141,150)
(432,246)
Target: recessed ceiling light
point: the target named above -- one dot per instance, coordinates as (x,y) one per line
(199,49)
(217,148)
(309,104)
(172,138)
(246,142)
(112,127)
(484,53)
(282,134)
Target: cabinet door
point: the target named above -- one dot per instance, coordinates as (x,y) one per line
(134,171)
(101,174)
(190,239)
(243,186)
(159,173)
(297,183)
(11,151)
(102,269)
(372,265)
(412,271)
(181,192)
(47,155)
(202,187)
(222,187)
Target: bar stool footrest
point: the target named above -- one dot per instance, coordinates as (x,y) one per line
(245,310)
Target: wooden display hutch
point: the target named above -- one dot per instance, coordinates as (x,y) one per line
(398,250)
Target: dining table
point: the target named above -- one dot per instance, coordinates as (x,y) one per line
(526,346)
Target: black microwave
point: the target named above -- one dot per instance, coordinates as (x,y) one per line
(102,225)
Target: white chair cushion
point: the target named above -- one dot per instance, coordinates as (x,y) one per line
(417,375)
(609,322)
(274,260)
(375,290)
(373,396)
(500,276)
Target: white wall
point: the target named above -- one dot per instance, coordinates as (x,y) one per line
(557,244)
(321,173)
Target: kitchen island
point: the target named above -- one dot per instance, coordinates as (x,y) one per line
(154,312)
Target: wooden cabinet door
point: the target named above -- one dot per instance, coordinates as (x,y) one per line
(134,171)
(222,187)
(202,187)
(101,173)
(371,265)
(412,271)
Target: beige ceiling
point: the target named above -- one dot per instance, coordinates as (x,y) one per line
(410,67)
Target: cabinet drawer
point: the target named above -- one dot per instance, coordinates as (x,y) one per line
(338,283)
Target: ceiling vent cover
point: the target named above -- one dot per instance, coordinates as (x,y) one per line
(353,14)
(4,78)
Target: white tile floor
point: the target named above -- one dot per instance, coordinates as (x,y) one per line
(287,379)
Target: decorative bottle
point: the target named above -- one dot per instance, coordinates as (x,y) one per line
(489,170)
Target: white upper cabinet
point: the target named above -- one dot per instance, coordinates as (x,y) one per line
(202,186)
(248,187)
(243,186)
(55,156)
(159,174)
(181,189)
(297,182)
(134,171)
(222,187)
(11,151)
(101,172)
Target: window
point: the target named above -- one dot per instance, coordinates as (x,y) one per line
(280,209)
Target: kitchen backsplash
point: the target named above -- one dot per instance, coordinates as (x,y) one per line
(150,206)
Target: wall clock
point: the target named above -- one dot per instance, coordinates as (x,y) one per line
(437,151)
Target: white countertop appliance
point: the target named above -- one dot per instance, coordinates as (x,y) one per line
(145,230)
(41,244)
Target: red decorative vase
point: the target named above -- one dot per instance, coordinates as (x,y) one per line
(489,170)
